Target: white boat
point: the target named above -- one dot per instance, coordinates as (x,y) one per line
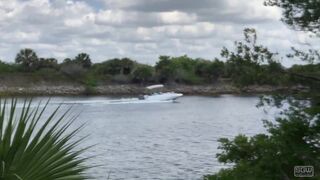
(159,96)
(168,96)
(153,97)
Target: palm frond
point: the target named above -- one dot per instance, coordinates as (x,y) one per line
(30,150)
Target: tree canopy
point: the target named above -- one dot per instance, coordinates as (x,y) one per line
(83,59)
(27,58)
(301,15)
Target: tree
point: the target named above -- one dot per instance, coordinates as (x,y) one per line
(310,56)
(36,147)
(143,74)
(67,60)
(307,75)
(293,140)
(302,15)
(293,137)
(165,69)
(246,64)
(249,51)
(28,59)
(83,59)
(127,66)
(48,63)
(116,66)
(109,67)
(177,69)
(211,71)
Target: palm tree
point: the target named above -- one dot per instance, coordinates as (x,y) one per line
(27,58)
(30,151)
(83,59)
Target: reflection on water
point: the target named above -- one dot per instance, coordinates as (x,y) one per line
(160,140)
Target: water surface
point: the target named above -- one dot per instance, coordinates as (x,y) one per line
(160,140)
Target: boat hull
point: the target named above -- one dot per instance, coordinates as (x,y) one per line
(163,96)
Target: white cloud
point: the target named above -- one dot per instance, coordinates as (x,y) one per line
(176,17)
(112,17)
(141,29)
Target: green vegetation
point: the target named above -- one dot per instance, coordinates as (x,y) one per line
(292,140)
(299,14)
(248,64)
(8,68)
(28,59)
(31,148)
(28,152)
(177,69)
(253,64)
(293,137)
(143,74)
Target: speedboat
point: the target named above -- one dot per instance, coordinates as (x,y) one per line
(159,96)
(168,96)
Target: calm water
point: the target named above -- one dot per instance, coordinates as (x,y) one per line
(161,140)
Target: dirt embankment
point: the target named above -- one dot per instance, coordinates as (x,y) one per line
(41,89)
(37,85)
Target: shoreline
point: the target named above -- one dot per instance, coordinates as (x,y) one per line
(130,89)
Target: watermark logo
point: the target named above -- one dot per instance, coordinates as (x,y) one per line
(303,171)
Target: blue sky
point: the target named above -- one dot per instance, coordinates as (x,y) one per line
(140,29)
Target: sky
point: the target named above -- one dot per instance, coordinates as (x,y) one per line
(139,29)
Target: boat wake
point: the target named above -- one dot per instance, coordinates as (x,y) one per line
(117,101)
(159,97)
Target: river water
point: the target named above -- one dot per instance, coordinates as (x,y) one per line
(160,140)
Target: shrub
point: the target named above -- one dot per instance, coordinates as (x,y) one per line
(8,68)
(73,70)
(143,74)
(116,66)
(48,63)
(210,71)
(292,140)
(83,59)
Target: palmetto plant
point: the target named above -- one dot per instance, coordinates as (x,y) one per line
(28,58)
(34,148)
